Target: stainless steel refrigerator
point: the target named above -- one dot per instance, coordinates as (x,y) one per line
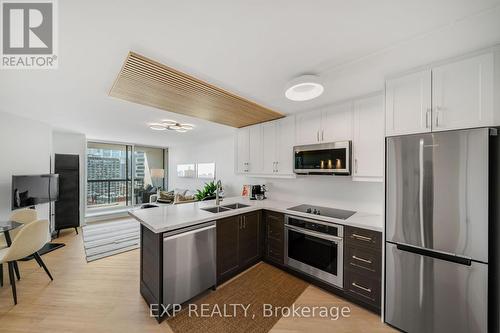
(438,195)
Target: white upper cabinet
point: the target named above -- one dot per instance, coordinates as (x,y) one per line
(408,104)
(456,95)
(327,125)
(266,149)
(269,137)
(285,142)
(336,123)
(255,149)
(462,93)
(308,127)
(368,140)
(242,150)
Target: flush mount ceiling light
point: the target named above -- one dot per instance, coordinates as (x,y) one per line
(168,122)
(171,125)
(157,127)
(304,88)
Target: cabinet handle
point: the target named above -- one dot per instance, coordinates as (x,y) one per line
(437,117)
(427,118)
(276,166)
(356,166)
(368,290)
(361,259)
(244,222)
(363,238)
(317,135)
(322,135)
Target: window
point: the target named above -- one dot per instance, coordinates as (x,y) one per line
(149,173)
(205,170)
(116,179)
(186,170)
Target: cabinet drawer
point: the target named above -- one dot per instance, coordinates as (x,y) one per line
(363,237)
(275,251)
(275,230)
(275,226)
(364,260)
(362,287)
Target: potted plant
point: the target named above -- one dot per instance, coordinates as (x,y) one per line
(207,192)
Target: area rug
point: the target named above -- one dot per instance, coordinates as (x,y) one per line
(221,310)
(105,239)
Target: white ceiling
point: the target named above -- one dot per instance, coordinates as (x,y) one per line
(251,48)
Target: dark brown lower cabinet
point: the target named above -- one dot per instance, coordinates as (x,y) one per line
(363,265)
(238,244)
(274,229)
(227,247)
(249,238)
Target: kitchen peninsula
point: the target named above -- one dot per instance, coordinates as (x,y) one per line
(189,248)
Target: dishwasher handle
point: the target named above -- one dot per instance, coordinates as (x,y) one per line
(188,231)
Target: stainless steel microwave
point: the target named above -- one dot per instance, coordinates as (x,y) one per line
(333,158)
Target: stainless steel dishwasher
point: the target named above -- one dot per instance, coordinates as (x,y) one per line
(189,262)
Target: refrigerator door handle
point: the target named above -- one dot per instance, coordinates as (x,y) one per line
(437,255)
(421,190)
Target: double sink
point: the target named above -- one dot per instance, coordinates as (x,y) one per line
(224,208)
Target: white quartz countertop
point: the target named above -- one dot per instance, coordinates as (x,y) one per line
(171,217)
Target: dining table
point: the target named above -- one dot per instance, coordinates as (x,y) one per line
(6,227)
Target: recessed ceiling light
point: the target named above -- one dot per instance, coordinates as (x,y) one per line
(304,88)
(157,127)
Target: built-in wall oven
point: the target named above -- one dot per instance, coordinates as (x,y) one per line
(315,248)
(333,158)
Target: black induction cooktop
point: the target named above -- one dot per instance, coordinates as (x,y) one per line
(340,214)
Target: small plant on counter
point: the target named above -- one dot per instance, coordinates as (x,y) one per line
(208,191)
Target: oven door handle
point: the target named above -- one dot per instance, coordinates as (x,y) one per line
(334,239)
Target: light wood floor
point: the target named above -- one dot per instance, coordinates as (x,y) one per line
(103,296)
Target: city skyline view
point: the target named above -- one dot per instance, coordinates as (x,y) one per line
(109,180)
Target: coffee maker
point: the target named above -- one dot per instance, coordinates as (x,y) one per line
(258,192)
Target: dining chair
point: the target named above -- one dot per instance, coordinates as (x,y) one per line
(28,241)
(23,216)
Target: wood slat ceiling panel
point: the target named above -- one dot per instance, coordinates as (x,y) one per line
(145,81)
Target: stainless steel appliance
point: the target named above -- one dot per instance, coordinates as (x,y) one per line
(332,158)
(315,248)
(258,192)
(335,213)
(189,262)
(437,220)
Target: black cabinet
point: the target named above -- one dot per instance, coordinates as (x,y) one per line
(363,265)
(274,233)
(238,244)
(249,239)
(67,207)
(227,247)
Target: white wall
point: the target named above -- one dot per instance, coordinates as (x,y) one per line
(339,191)
(73,143)
(25,148)
(219,150)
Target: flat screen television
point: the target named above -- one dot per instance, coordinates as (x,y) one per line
(31,190)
